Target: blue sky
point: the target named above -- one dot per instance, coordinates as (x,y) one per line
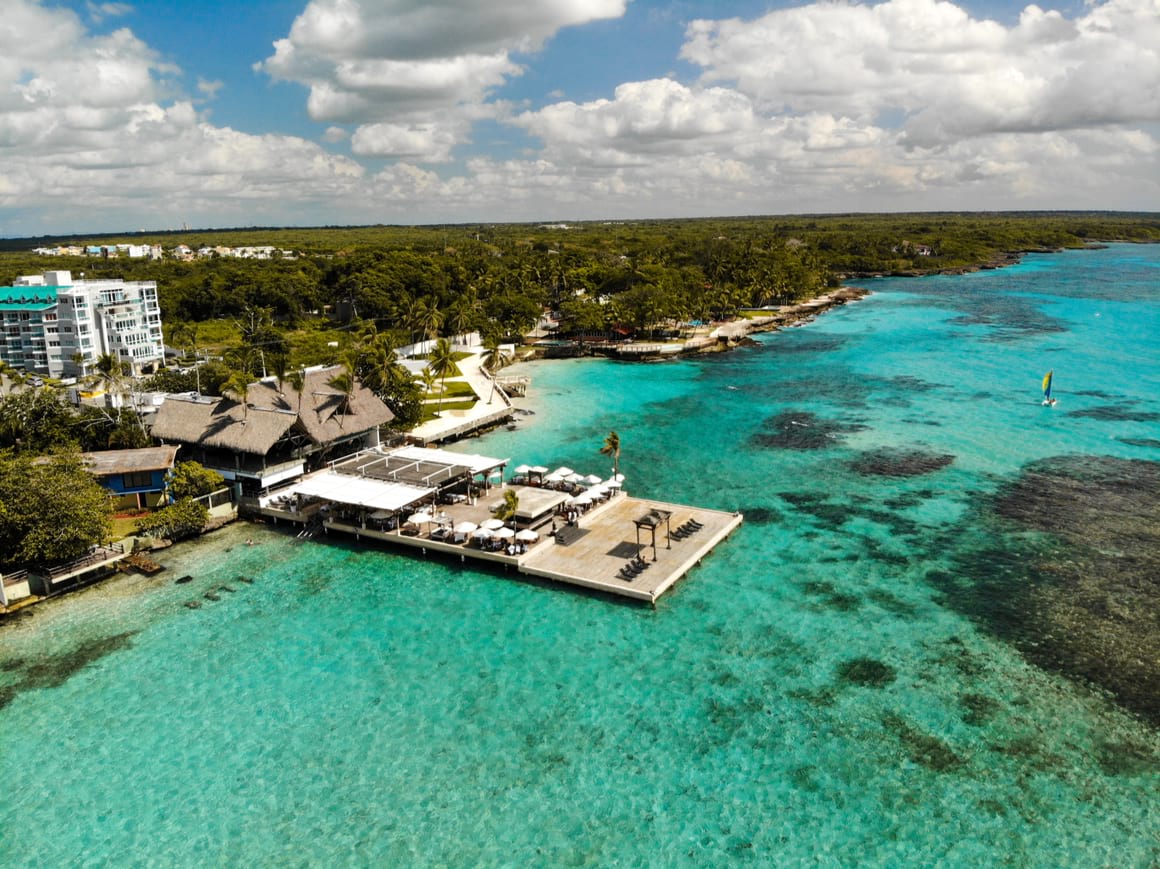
(119,115)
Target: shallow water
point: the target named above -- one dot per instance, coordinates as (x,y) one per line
(830,687)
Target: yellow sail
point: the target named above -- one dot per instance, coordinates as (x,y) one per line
(1047,384)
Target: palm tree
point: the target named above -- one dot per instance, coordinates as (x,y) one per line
(491,362)
(297,381)
(511,503)
(442,363)
(612,448)
(238,388)
(344,382)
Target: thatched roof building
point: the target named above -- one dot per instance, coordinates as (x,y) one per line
(274,431)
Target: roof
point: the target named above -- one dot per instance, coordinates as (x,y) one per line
(320,412)
(375,494)
(107,462)
(36,298)
(478,464)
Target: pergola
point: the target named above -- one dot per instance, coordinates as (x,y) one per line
(651,520)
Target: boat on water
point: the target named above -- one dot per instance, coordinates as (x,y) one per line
(1048,401)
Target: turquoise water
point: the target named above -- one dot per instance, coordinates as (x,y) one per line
(811,694)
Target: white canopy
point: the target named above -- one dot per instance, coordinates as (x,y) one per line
(591,480)
(538,469)
(491,524)
(361,491)
(503,533)
(522,469)
(583,498)
(420,517)
(613,483)
(465,527)
(527,535)
(481,534)
(575,478)
(563,472)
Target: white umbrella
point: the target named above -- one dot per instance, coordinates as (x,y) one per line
(419,518)
(538,469)
(553,478)
(465,527)
(591,480)
(527,536)
(563,472)
(618,477)
(598,491)
(523,469)
(495,472)
(613,484)
(582,499)
(491,524)
(503,533)
(575,478)
(481,534)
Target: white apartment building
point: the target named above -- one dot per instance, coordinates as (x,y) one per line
(56,326)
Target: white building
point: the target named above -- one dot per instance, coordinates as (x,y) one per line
(57,326)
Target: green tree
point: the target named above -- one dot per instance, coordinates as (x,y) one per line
(509,506)
(345,383)
(36,421)
(441,363)
(491,362)
(612,448)
(192,480)
(51,510)
(237,388)
(182,519)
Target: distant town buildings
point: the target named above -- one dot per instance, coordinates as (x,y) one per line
(56,326)
(155,251)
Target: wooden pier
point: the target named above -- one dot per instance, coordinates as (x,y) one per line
(601,543)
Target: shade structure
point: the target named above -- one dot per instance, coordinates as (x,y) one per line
(420,517)
(481,534)
(491,524)
(591,480)
(613,483)
(527,536)
(537,469)
(522,469)
(380,515)
(618,477)
(495,472)
(574,478)
(465,527)
(582,499)
(553,478)
(597,491)
(503,533)
(563,472)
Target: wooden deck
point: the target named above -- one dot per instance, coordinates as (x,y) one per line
(604,540)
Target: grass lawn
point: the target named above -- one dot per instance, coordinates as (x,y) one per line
(430,408)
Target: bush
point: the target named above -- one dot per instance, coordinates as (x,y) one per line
(185,518)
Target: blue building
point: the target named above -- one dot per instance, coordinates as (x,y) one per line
(139,478)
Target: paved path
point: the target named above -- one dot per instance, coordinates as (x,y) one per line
(489,406)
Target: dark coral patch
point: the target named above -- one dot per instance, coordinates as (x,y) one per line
(899,463)
(50,672)
(761,515)
(867,672)
(801,430)
(1116,413)
(923,748)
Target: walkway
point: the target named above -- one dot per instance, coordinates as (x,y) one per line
(489,410)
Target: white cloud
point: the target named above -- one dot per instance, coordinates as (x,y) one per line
(427,142)
(399,65)
(85,127)
(951,74)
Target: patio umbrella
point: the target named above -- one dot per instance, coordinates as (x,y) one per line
(598,491)
(582,499)
(465,527)
(553,478)
(538,469)
(503,533)
(523,469)
(527,536)
(491,524)
(613,484)
(575,478)
(420,517)
(563,472)
(481,534)
(591,480)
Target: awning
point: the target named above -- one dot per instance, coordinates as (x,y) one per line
(360,491)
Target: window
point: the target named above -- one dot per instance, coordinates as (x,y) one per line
(137,480)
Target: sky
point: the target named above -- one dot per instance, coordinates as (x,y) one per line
(126,116)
